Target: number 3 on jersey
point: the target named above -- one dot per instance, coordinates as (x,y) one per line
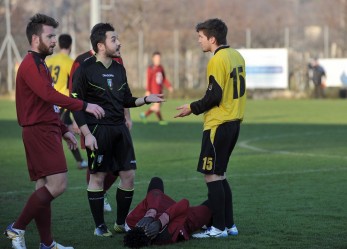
(55,73)
(238,78)
(207,163)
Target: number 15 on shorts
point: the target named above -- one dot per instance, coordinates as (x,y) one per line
(207,163)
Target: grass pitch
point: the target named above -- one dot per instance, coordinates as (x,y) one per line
(288,173)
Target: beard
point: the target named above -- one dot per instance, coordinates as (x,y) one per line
(113,53)
(43,49)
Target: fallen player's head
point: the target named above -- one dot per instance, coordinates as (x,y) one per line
(136,238)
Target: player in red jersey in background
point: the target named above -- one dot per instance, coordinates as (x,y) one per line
(159,220)
(110,178)
(156,79)
(38,114)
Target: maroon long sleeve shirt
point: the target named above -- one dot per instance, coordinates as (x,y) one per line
(36,100)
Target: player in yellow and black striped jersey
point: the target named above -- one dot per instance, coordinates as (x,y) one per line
(223,106)
(60,66)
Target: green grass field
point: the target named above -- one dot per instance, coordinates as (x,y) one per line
(288,174)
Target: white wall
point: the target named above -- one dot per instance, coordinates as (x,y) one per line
(266,68)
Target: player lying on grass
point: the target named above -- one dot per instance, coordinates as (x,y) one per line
(159,220)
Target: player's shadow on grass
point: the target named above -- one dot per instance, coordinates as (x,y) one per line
(189,132)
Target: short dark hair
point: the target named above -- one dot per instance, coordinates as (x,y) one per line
(36,22)
(156,53)
(214,28)
(65,41)
(136,238)
(98,34)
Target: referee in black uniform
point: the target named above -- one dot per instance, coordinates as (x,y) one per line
(103,81)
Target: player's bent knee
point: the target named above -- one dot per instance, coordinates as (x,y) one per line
(56,184)
(96,181)
(56,189)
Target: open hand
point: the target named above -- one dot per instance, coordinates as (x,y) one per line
(75,128)
(153,229)
(145,221)
(70,140)
(90,142)
(185,111)
(96,110)
(155,98)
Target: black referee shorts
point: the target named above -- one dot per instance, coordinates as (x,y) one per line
(115,149)
(216,148)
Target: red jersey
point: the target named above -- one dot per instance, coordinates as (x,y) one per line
(77,62)
(36,99)
(182,219)
(156,79)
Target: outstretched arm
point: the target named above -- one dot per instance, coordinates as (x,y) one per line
(152,98)
(184,111)
(211,99)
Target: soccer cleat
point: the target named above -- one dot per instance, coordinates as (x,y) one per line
(163,122)
(119,228)
(17,237)
(82,165)
(211,232)
(107,206)
(102,231)
(143,118)
(233,230)
(54,245)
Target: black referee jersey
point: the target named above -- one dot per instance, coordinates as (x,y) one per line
(107,87)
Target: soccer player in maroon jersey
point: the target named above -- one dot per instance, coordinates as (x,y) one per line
(38,113)
(156,79)
(159,220)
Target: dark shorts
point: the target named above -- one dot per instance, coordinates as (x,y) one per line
(115,149)
(216,148)
(65,116)
(44,150)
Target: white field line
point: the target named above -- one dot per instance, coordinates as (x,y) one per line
(298,172)
(244,144)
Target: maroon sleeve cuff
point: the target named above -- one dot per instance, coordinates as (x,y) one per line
(63,128)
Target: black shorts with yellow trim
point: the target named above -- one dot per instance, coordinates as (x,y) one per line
(115,149)
(216,148)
